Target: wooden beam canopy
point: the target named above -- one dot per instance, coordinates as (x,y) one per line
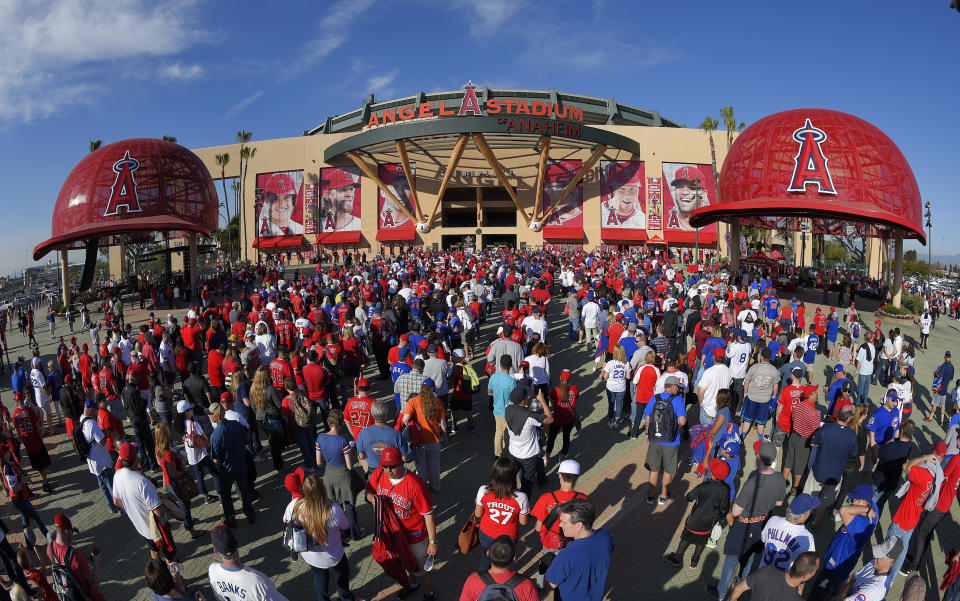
(451,165)
(487,153)
(587,165)
(541,170)
(411,180)
(373,175)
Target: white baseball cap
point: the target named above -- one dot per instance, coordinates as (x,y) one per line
(569,466)
(183,405)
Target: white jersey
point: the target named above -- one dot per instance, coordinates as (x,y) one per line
(867,585)
(246,584)
(739,355)
(783,541)
(684,382)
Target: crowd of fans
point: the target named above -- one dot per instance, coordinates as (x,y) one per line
(185,407)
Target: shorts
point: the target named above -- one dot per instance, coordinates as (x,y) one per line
(831,344)
(419,551)
(755,413)
(938,400)
(797,454)
(662,458)
(39,459)
(693,538)
(827,492)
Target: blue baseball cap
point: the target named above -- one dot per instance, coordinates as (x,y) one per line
(892,394)
(441,315)
(429,382)
(803,503)
(403,352)
(864,492)
(89,404)
(733,447)
(839,368)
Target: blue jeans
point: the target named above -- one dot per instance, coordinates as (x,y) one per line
(341,576)
(636,417)
(573,327)
(730,563)
(904,535)
(614,404)
(185,507)
(28,514)
(863,388)
(354,531)
(205,465)
(485,541)
(226,482)
(302,438)
(147,449)
(880,372)
(880,499)
(105,482)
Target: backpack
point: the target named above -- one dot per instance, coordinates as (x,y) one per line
(663,426)
(855,329)
(80,444)
(304,411)
(64,583)
(471,376)
(494,591)
(554,514)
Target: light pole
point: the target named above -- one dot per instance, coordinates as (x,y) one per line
(929,245)
(257,205)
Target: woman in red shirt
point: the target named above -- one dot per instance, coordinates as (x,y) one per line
(501,508)
(353,355)
(645,381)
(173,467)
(563,399)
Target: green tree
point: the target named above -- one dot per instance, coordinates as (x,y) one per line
(95,144)
(246,153)
(170,138)
(910,255)
(726,113)
(235,188)
(222,160)
(709,126)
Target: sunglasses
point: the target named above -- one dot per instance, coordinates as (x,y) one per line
(392,467)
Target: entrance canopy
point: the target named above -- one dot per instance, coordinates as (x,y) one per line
(839,172)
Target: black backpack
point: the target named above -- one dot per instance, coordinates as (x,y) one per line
(494,591)
(663,426)
(80,444)
(62,580)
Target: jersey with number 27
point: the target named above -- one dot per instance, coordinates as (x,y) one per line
(501,516)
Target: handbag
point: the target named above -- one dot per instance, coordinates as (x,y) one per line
(169,503)
(184,486)
(469,536)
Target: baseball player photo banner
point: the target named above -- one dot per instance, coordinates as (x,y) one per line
(688,187)
(389,216)
(280,199)
(621,195)
(339,199)
(569,214)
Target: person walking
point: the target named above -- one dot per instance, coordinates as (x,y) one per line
(616,373)
(268,410)
(230,579)
(666,414)
(334,453)
(322,521)
(430,416)
(196,444)
(499,579)
(174,469)
(580,571)
(920,541)
(228,450)
(98,457)
(771,583)
(563,399)
(500,508)
(499,389)
(524,435)
(136,495)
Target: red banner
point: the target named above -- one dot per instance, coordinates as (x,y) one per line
(690,187)
(340,200)
(621,196)
(567,219)
(389,216)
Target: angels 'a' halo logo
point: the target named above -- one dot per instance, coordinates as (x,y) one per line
(123,193)
(810,164)
(470,103)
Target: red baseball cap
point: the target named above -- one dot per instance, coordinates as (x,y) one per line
(405,337)
(719,468)
(363,383)
(688,174)
(294,485)
(390,456)
(337,178)
(566,374)
(280,184)
(424,344)
(63,522)
(719,352)
(127,452)
(226,397)
(940,448)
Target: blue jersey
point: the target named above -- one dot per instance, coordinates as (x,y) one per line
(884,423)
(773,307)
(414,304)
(843,554)
(833,327)
(810,355)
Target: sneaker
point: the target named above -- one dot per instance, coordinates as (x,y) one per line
(693,565)
(406,592)
(927,419)
(452,432)
(649,500)
(673,559)
(711,544)
(663,500)
(711,590)
(211,498)
(904,573)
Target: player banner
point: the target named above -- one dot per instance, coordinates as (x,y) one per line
(621,186)
(654,204)
(570,212)
(339,200)
(311,210)
(280,198)
(389,216)
(691,187)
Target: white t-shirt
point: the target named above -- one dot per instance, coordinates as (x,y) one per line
(747,325)
(684,382)
(589,313)
(195,454)
(714,378)
(783,542)
(139,498)
(38,382)
(535,324)
(865,362)
(739,355)
(616,375)
(98,459)
(330,554)
(241,584)
(526,444)
(539,369)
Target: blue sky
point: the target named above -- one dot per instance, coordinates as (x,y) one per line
(76,70)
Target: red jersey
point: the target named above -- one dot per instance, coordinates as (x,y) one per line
(948,488)
(315,378)
(285,333)
(357,413)
(820,324)
(563,413)
(215,368)
(86,366)
(106,383)
(279,369)
(140,372)
(473,587)
(553,538)
(29,423)
(411,501)
(501,516)
(110,424)
(789,397)
(238,329)
(910,509)
(394,355)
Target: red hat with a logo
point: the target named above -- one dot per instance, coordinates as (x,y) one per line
(688,174)
(626,173)
(338,178)
(363,383)
(280,184)
(390,456)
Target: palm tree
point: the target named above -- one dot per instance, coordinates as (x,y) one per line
(709,125)
(170,138)
(242,138)
(95,144)
(235,187)
(222,160)
(726,113)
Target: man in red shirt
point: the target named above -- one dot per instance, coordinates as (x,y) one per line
(316,378)
(215,369)
(905,520)
(820,328)
(357,409)
(920,541)
(87,578)
(285,329)
(804,421)
(411,503)
(393,356)
(501,552)
(28,421)
(280,367)
(552,537)
(85,363)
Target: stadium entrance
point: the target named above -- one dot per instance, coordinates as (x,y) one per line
(499,241)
